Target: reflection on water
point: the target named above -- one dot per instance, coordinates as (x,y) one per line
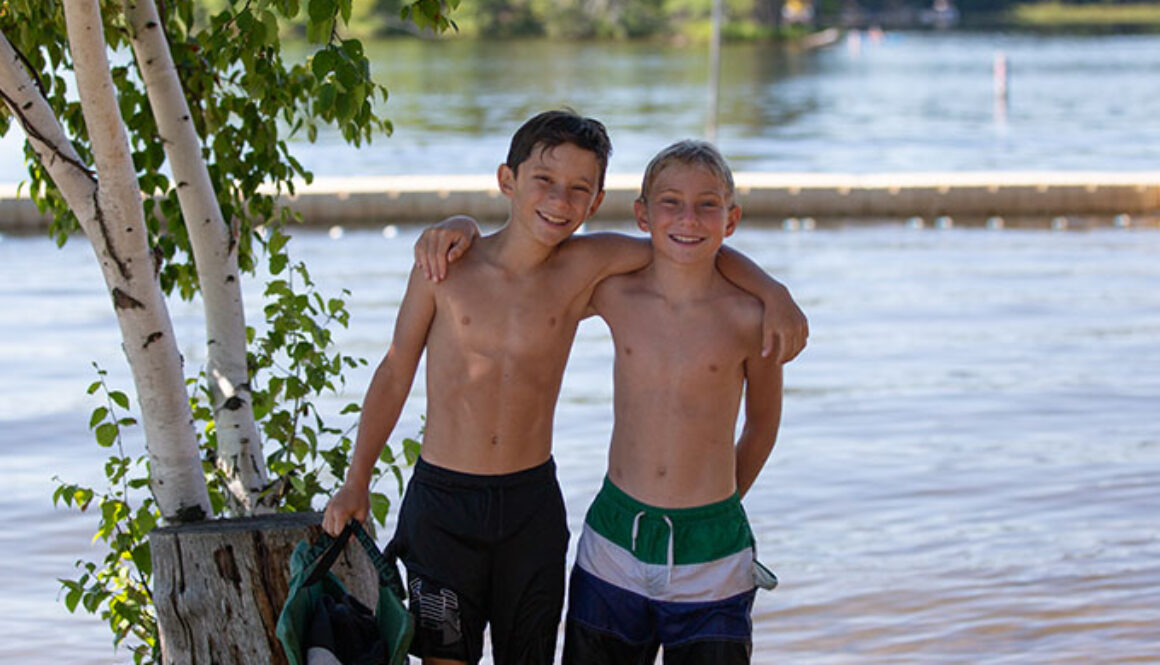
(966,472)
(909,102)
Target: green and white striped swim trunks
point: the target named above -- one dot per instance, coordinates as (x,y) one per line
(647,576)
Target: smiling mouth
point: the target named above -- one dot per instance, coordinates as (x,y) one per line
(685,240)
(553,220)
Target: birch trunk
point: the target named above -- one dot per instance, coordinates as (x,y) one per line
(215,255)
(111,215)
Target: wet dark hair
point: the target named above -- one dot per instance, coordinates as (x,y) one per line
(552,128)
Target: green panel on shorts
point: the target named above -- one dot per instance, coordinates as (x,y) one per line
(704,533)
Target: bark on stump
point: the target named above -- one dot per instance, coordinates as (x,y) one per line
(219,586)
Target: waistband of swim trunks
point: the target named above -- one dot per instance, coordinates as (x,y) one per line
(427,472)
(727,507)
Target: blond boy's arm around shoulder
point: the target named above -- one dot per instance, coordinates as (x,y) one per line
(384,402)
(784,325)
(444,243)
(763,392)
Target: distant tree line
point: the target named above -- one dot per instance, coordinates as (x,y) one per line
(633,19)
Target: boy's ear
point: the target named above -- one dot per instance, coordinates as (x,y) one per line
(640,211)
(506,178)
(734,219)
(595,205)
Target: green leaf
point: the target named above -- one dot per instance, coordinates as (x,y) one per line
(323,63)
(380,506)
(107,434)
(411,450)
(99,414)
(121,399)
(321,10)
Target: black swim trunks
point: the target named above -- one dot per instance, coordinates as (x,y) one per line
(479,550)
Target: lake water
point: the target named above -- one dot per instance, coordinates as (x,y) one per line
(966,473)
(968,466)
(911,102)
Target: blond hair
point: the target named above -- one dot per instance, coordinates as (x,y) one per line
(688,153)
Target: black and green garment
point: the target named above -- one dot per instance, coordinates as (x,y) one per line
(322,622)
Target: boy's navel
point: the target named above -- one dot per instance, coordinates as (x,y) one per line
(465,320)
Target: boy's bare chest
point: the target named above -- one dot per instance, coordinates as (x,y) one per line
(516,317)
(681,346)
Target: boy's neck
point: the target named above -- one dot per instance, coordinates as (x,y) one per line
(516,251)
(680,282)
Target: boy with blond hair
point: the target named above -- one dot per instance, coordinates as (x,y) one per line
(481,529)
(666,557)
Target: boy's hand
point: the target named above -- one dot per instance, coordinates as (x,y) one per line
(443,243)
(348,502)
(784,328)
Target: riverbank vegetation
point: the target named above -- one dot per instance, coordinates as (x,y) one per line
(1087,17)
(688,20)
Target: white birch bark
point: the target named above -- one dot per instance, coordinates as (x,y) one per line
(215,255)
(111,214)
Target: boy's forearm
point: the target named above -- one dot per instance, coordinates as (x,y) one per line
(380,413)
(753,450)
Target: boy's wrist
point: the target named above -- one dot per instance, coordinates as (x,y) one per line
(357,480)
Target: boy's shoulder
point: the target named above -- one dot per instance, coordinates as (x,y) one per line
(738,307)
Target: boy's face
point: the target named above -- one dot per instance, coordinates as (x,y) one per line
(688,213)
(554,191)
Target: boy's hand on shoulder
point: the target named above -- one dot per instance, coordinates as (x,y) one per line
(347,503)
(784,328)
(444,243)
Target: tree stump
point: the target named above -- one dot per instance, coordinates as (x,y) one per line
(219,586)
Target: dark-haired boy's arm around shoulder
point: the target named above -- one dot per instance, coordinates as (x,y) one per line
(384,401)
(763,396)
(784,325)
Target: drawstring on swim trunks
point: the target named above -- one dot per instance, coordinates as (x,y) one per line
(636,530)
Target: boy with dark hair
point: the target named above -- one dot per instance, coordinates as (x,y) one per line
(666,556)
(482,529)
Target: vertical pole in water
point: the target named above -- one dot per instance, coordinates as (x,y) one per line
(714,72)
(999,77)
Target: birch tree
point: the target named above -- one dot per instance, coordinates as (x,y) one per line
(162,136)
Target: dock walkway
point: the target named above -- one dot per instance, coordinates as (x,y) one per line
(380,200)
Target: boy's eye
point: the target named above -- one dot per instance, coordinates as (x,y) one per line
(669,202)
(542,178)
(583,189)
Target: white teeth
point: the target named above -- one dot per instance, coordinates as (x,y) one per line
(685,239)
(554,220)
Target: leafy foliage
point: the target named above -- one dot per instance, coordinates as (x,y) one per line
(247,101)
(117,589)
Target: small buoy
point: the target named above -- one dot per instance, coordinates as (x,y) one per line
(995,223)
(390,231)
(1122,221)
(791,224)
(1059,223)
(915,222)
(335,232)
(809,223)
(944,222)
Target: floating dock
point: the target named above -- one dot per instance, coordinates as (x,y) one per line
(423,199)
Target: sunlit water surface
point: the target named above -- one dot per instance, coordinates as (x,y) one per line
(967,471)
